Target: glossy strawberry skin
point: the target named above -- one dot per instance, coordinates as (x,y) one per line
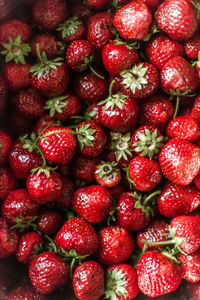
(8,240)
(78,235)
(115,245)
(48,272)
(88,281)
(180,161)
(17,75)
(157,274)
(177,19)
(24,292)
(192,47)
(84,168)
(47,43)
(49,221)
(191,266)
(176,200)
(133,20)
(5,147)
(65,199)
(8,182)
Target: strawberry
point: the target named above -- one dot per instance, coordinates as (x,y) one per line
(47,43)
(3,95)
(8,182)
(28,245)
(49,221)
(58,144)
(140,81)
(193,290)
(76,234)
(98,4)
(192,47)
(145,174)
(118,56)
(197,181)
(137,24)
(84,168)
(161,48)
(191,266)
(8,240)
(17,75)
(99,29)
(65,199)
(30,104)
(88,281)
(80,9)
(107,174)
(157,274)
(196,109)
(48,14)
(121,282)
(92,203)
(180,161)
(115,245)
(153,3)
(147,141)
(24,292)
(48,272)
(5,147)
(43,123)
(18,204)
(177,19)
(185,127)
(72,29)
(176,200)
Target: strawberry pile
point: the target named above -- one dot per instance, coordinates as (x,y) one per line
(100,148)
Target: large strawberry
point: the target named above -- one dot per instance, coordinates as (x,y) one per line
(107,174)
(8,240)
(8,182)
(5,147)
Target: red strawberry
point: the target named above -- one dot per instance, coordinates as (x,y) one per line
(99,29)
(18,204)
(58,144)
(48,14)
(197,181)
(145,174)
(8,240)
(191,266)
(27,247)
(88,281)
(107,174)
(72,29)
(140,81)
(121,281)
(48,272)
(153,3)
(49,221)
(118,56)
(23,293)
(176,200)
(43,123)
(65,199)
(92,203)
(84,168)
(5,147)
(115,245)
(180,161)
(98,4)
(192,47)
(161,48)
(21,125)
(177,19)
(76,234)
(17,75)
(137,24)
(47,43)
(8,182)
(196,109)
(193,290)
(157,274)
(3,95)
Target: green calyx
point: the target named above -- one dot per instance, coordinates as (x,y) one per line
(69,27)
(15,50)
(86,63)
(129,45)
(117,100)
(56,105)
(153,30)
(85,136)
(107,170)
(149,143)
(37,250)
(121,145)
(30,143)
(25,223)
(115,284)
(43,169)
(134,78)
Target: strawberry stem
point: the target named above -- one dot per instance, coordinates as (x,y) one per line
(95,72)
(177,107)
(110,87)
(151,196)
(38,53)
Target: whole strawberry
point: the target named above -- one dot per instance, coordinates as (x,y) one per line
(8,182)
(5,147)
(24,292)
(44,123)
(191,266)
(107,174)
(17,75)
(8,240)
(49,221)
(47,43)
(88,281)
(72,29)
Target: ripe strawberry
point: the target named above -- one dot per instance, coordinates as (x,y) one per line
(87,241)
(99,29)
(145,174)
(23,293)
(3,96)
(8,240)
(90,88)
(49,221)
(72,29)
(147,141)
(191,266)
(58,144)
(184,127)
(48,14)
(47,43)
(5,147)
(157,274)
(121,282)
(65,200)
(161,48)
(196,109)
(107,174)
(137,24)
(43,123)
(17,75)
(177,19)
(93,203)
(140,81)
(192,47)
(30,104)
(48,272)
(8,182)
(180,161)
(98,4)
(84,168)
(28,245)
(18,204)
(176,200)
(88,281)
(115,245)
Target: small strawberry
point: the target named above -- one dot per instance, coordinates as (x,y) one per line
(8,182)
(23,293)
(92,203)
(8,240)
(192,47)
(121,282)
(98,4)
(72,29)
(48,272)
(47,43)
(3,96)
(17,75)
(115,245)
(65,200)
(107,174)
(28,245)
(88,281)
(191,266)
(49,221)
(137,24)
(196,109)
(48,14)
(180,161)
(5,147)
